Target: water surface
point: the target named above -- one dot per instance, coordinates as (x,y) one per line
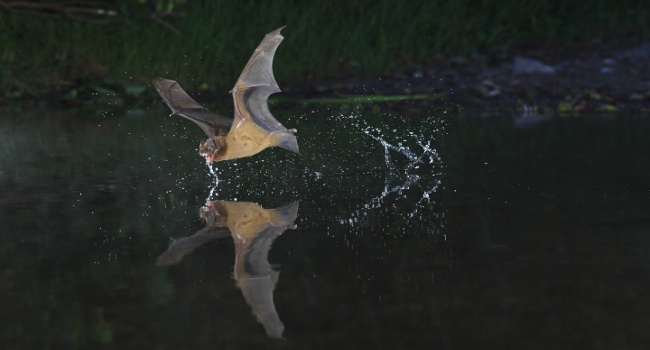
(391,230)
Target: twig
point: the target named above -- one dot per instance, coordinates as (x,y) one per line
(73,10)
(157,16)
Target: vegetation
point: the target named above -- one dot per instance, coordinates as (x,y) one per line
(206,44)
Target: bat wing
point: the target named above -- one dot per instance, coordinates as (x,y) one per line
(182,104)
(261,279)
(258,287)
(181,247)
(253,88)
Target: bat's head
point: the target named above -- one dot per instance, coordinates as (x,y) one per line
(208,149)
(208,214)
(214,213)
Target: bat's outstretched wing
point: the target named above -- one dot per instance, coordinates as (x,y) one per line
(260,278)
(182,104)
(181,247)
(253,88)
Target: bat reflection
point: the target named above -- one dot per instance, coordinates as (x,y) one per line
(253,127)
(253,230)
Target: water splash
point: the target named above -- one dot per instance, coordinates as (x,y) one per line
(411,181)
(215,184)
(427,154)
(418,150)
(213,172)
(375,134)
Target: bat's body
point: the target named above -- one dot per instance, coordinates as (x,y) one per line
(253,127)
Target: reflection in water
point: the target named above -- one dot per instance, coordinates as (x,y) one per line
(529,117)
(420,156)
(253,230)
(533,236)
(410,180)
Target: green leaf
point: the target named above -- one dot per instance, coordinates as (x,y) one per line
(134,89)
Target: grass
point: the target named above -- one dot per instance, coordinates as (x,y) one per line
(351,99)
(323,39)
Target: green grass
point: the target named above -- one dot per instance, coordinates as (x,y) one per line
(351,99)
(324,39)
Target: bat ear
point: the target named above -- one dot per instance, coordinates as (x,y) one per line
(208,145)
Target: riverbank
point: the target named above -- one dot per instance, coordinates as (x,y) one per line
(458,53)
(594,76)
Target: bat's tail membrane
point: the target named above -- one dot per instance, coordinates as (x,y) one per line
(287,141)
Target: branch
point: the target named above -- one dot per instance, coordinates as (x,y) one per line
(73,10)
(157,16)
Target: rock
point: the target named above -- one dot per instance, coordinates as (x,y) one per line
(530,117)
(488,88)
(523,65)
(642,52)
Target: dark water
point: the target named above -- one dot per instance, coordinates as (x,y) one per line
(425,230)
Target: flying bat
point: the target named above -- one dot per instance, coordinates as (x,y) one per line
(253,127)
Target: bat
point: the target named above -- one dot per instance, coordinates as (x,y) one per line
(253,229)
(253,127)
